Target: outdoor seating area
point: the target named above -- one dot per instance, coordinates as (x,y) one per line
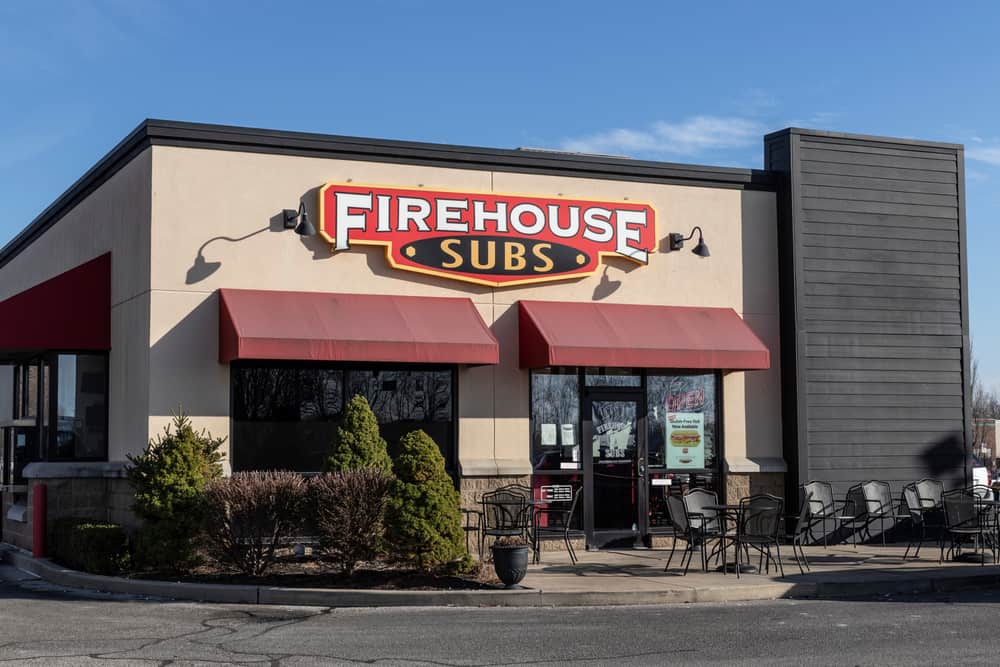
(513,512)
(870,523)
(963,522)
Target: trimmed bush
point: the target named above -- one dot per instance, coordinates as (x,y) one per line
(169,480)
(250,515)
(357,443)
(349,509)
(91,546)
(423,517)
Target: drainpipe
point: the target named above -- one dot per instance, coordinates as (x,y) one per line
(38,520)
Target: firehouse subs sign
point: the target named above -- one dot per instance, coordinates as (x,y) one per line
(486,238)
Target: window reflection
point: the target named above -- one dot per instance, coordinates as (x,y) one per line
(555,419)
(81,407)
(667,394)
(612,377)
(285,417)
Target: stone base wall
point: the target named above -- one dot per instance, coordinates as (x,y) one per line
(473,488)
(90,498)
(741,485)
(101,496)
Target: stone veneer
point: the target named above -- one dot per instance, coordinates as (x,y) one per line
(96,491)
(741,485)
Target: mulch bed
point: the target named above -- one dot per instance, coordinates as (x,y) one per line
(314,572)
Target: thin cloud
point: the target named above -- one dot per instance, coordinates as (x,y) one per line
(689,137)
(990,154)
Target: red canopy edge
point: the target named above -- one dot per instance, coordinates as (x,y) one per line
(71,311)
(318,326)
(555,333)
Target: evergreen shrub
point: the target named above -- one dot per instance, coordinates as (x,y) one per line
(357,443)
(423,516)
(91,546)
(169,480)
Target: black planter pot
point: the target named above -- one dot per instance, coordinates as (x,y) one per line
(510,563)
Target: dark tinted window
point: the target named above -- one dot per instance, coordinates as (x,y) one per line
(285,417)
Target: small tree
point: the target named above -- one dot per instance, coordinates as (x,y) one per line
(423,515)
(169,480)
(250,515)
(357,443)
(349,509)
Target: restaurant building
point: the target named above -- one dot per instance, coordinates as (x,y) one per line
(624,327)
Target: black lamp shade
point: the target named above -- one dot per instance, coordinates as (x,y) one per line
(305,228)
(701,249)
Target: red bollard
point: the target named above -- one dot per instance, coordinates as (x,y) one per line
(38,520)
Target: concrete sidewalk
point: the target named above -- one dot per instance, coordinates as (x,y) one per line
(599,578)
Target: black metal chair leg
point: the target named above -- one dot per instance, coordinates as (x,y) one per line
(673,547)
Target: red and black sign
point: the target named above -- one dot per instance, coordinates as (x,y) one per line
(486,238)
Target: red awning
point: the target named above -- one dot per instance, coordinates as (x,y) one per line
(611,334)
(69,312)
(316,326)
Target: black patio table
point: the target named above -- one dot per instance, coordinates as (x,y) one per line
(993,507)
(730,512)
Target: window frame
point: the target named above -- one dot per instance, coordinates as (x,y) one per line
(47,446)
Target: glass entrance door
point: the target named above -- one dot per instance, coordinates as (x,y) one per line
(616,459)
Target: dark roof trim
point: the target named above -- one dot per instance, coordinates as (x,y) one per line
(252,140)
(894,142)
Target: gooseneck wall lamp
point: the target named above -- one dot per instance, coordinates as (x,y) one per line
(299,221)
(700,249)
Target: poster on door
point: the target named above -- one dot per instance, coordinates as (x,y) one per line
(685,440)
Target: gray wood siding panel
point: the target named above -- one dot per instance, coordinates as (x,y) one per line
(880,291)
(865,340)
(886,196)
(879,304)
(884,173)
(832,242)
(880,231)
(831,362)
(886,400)
(897,185)
(863,353)
(882,303)
(923,257)
(877,280)
(877,159)
(878,208)
(877,220)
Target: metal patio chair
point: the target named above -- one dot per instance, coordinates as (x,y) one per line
(505,514)
(693,538)
(558,520)
(963,524)
(823,508)
(758,526)
(918,511)
(877,497)
(801,533)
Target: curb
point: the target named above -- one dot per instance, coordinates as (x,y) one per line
(327,597)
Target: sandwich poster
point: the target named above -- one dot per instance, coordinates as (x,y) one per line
(685,440)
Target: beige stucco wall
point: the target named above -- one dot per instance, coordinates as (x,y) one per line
(199,195)
(115,217)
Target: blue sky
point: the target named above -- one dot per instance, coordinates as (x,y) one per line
(684,82)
